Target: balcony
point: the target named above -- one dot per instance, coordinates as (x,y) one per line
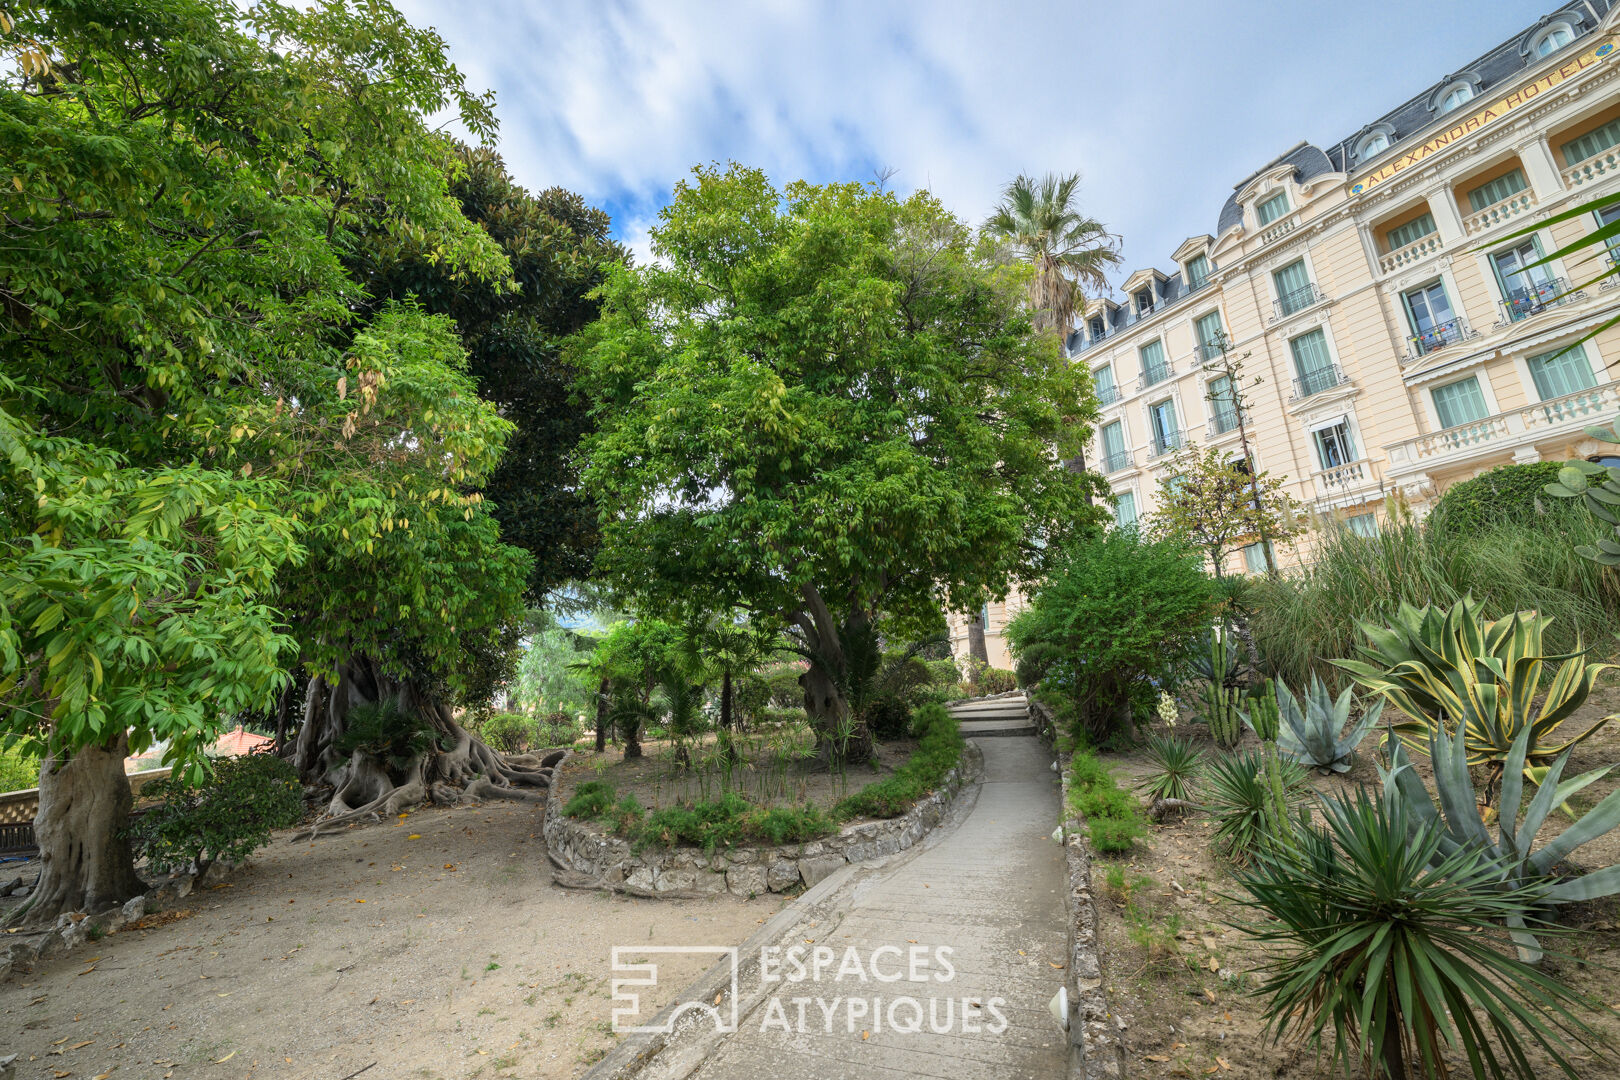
(1290,303)
(1279,229)
(1318,380)
(1167,443)
(1535,298)
(1497,435)
(1441,336)
(1416,251)
(1224,422)
(1153,376)
(1500,213)
(1107,395)
(1204,354)
(1121,459)
(1594,168)
(1347,484)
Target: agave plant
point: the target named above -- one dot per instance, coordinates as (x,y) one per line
(1238,791)
(1510,847)
(1316,734)
(1449,668)
(1391,942)
(1175,763)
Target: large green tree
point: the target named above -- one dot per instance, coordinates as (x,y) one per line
(219,454)
(826,405)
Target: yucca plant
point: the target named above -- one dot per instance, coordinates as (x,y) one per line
(1445,668)
(1238,792)
(1175,763)
(1394,948)
(1510,846)
(1315,735)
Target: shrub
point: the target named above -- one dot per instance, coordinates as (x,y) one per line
(1507,494)
(1113,836)
(888,718)
(1113,624)
(1175,763)
(1395,946)
(228,816)
(1112,818)
(1236,793)
(556,729)
(939,748)
(510,733)
(18,770)
(591,799)
(994,680)
(392,735)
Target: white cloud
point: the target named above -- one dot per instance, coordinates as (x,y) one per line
(1162,108)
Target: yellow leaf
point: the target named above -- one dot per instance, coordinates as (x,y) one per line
(414,836)
(865,1035)
(226,1058)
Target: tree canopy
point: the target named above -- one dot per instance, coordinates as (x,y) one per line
(826,405)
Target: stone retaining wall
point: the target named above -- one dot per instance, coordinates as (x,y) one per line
(1098,1033)
(581,846)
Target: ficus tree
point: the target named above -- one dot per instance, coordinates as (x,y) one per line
(827,406)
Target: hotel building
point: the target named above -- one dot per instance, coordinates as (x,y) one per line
(1382,291)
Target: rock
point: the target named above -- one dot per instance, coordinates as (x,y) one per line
(48,946)
(641,878)
(747,880)
(8,1067)
(742,855)
(814,847)
(815,869)
(135,910)
(711,883)
(675,879)
(10,887)
(782,876)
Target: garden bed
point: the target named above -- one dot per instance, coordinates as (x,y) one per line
(1180,971)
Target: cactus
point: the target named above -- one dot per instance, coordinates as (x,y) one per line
(1219,667)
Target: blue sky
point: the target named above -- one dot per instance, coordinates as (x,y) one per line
(1162,107)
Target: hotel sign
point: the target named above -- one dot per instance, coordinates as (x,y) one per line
(1489,115)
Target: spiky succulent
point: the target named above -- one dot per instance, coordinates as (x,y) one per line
(1317,732)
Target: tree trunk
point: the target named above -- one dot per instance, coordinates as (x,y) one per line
(840,735)
(725,700)
(86,862)
(602,692)
(978,647)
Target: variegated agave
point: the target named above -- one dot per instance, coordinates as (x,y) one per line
(1511,843)
(1444,668)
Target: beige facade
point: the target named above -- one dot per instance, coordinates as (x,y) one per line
(1378,291)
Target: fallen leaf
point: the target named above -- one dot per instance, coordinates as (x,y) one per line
(1213,964)
(59,1075)
(484,1052)
(407,1001)
(226,1058)
(1223,1063)
(865,1035)
(718,996)
(1021,952)
(1209,943)
(62,1040)
(1210,996)
(359,901)
(227,993)
(1058,966)
(86,1042)
(41,998)
(1156,1057)
(414,836)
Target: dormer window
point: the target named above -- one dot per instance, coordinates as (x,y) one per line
(1552,39)
(1273,208)
(1455,95)
(1197,271)
(1372,145)
(1097,328)
(1144,301)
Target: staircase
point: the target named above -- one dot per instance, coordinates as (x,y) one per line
(1003,714)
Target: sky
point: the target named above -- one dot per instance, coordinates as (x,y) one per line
(1161,107)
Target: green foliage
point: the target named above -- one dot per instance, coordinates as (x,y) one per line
(19,770)
(1210,501)
(1218,664)
(804,369)
(228,816)
(1506,494)
(1176,764)
(1240,795)
(1116,619)
(507,732)
(1449,668)
(939,749)
(1112,817)
(710,824)
(550,672)
(889,718)
(1509,850)
(1315,735)
(591,799)
(1300,622)
(994,680)
(383,730)
(1395,950)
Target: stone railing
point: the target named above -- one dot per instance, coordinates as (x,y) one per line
(19,808)
(1338,481)
(1499,213)
(608,862)
(1593,168)
(1499,433)
(1416,251)
(1279,229)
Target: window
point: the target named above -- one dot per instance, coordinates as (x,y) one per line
(1273,208)
(1552,39)
(1372,145)
(1608,216)
(1312,364)
(1592,143)
(1562,371)
(1456,96)
(1334,447)
(1144,301)
(1154,369)
(1197,272)
(1210,335)
(1166,431)
(1410,233)
(1503,187)
(1113,446)
(1460,403)
(1125,509)
(1434,325)
(1098,330)
(1365,525)
(1222,406)
(1254,558)
(1107,392)
(1293,285)
(1526,287)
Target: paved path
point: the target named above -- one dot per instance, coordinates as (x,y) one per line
(991,891)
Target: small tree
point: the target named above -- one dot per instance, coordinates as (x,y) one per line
(1225,365)
(1216,504)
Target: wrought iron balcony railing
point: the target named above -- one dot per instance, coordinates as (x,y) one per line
(1223,421)
(1437,337)
(1114,462)
(1317,380)
(1107,395)
(1166,443)
(1155,374)
(1536,297)
(1297,300)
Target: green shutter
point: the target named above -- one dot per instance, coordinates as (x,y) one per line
(1460,403)
(1273,208)
(1291,278)
(1592,143)
(1310,353)
(1125,509)
(1105,380)
(1562,371)
(1113,439)
(1224,407)
(1197,271)
(1363,525)
(1209,329)
(1152,357)
(1410,233)
(1494,192)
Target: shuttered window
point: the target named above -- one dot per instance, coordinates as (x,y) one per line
(1273,208)
(1410,233)
(1494,192)
(1125,509)
(1562,371)
(1460,403)
(1592,143)
(1197,271)
(1113,444)
(1154,368)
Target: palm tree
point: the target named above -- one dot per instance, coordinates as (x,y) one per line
(1040,223)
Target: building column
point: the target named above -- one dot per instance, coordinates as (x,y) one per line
(1447,221)
(1540,168)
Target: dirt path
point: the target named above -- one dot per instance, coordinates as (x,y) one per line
(446,955)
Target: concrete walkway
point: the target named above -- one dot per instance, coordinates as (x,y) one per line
(991,891)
